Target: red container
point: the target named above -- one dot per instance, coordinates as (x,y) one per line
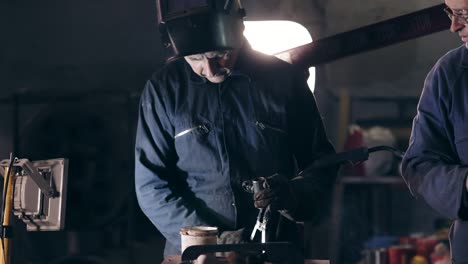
(425,246)
(401,254)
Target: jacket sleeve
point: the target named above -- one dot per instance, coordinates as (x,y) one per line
(160,192)
(431,166)
(310,142)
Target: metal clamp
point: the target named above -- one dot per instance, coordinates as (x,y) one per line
(46,188)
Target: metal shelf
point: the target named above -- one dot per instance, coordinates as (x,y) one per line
(338,199)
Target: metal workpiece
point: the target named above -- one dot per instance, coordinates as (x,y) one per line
(275,252)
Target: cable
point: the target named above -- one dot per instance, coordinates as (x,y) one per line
(240,4)
(354,155)
(5,190)
(398,153)
(6,179)
(227,4)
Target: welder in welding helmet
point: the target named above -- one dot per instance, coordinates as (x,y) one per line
(197,26)
(220,113)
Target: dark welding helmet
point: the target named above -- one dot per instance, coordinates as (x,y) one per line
(196,26)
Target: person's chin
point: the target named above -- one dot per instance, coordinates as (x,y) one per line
(216,79)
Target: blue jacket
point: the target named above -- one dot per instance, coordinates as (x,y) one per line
(198,141)
(436,163)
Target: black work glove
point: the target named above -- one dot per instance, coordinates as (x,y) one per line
(231,237)
(277,194)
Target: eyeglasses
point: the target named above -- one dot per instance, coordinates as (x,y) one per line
(461,16)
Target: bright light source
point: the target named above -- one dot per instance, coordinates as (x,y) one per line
(272,37)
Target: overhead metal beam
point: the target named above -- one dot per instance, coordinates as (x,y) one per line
(385,33)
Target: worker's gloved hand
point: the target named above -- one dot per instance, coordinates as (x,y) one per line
(232,237)
(277,194)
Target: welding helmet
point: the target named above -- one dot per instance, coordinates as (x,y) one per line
(197,26)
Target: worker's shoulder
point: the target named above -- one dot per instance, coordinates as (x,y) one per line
(446,77)
(454,59)
(172,70)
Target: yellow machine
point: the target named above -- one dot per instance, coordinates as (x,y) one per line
(36,193)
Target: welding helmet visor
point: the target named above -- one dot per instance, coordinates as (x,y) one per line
(197,26)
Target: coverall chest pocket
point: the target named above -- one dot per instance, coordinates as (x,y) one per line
(195,144)
(274,149)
